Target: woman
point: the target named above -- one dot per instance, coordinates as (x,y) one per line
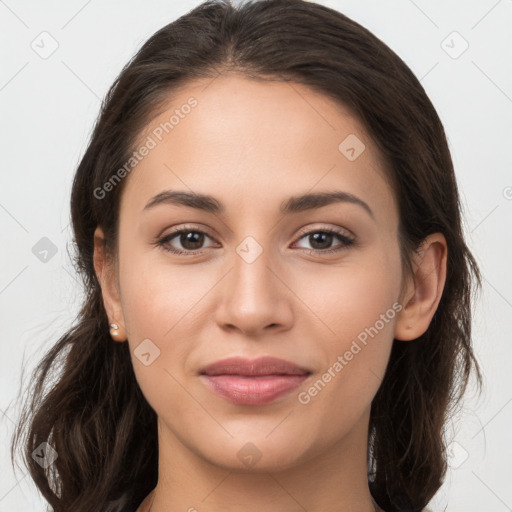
(278,307)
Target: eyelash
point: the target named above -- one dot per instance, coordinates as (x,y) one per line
(346,241)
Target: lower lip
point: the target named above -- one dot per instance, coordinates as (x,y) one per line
(253,390)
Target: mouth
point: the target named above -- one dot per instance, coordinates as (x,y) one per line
(253,382)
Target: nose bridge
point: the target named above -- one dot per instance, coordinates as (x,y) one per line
(252,279)
(253,297)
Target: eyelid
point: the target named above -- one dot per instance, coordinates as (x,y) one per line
(338,229)
(181,227)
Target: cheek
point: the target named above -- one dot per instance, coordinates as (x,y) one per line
(157,302)
(359,306)
(156,295)
(352,296)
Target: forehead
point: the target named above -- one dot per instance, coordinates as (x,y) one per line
(247,141)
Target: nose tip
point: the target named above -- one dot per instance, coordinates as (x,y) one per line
(254,299)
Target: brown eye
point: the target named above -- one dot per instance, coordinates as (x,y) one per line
(321,240)
(190,240)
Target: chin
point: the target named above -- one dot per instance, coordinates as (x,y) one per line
(256,454)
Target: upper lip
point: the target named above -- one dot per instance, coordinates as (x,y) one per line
(260,366)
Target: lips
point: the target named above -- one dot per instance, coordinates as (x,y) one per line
(248,367)
(253,382)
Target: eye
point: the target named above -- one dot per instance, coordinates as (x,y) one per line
(321,240)
(192,239)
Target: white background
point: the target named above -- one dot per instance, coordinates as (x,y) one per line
(48,107)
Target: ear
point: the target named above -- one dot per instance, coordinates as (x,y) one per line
(423,289)
(106,273)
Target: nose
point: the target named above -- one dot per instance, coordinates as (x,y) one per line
(254,297)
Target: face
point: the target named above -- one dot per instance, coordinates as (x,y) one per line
(258,272)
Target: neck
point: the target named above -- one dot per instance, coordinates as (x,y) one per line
(329,481)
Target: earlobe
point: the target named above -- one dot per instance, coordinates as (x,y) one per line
(424,289)
(109,290)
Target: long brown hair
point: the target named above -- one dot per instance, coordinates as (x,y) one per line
(86,403)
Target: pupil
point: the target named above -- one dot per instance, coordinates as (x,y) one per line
(316,236)
(192,240)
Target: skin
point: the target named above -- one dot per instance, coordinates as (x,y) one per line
(252,145)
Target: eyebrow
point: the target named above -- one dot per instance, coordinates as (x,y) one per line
(294,204)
